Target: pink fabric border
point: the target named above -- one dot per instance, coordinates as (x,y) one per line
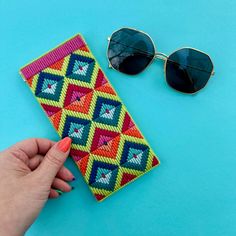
(53,56)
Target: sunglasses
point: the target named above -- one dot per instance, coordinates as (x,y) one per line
(131,51)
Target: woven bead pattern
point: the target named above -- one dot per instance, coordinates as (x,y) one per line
(107,146)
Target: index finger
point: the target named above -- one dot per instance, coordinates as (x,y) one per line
(34,146)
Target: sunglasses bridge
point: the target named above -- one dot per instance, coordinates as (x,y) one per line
(161,56)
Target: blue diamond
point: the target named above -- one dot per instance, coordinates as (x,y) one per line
(77,129)
(107,111)
(49,86)
(103,175)
(134,156)
(80,68)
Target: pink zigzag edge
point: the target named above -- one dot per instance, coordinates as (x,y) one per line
(53,56)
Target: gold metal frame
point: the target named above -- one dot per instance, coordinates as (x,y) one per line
(159,55)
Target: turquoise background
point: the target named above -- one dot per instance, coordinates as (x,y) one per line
(193,191)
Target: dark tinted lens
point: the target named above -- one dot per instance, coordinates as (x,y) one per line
(130,51)
(188,70)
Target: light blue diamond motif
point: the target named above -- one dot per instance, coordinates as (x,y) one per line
(46,88)
(105,179)
(135,156)
(103,175)
(76,130)
(100,172)
(80,68)
(107,111)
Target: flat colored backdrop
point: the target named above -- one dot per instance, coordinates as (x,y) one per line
(193,191)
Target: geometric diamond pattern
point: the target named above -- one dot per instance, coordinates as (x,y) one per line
(78,98)
(107,111)
(107,146)
(49,86)
(101,137)
(77,129)
(134,156)
(105,143)
(80,68)
(75,93)
(103,175)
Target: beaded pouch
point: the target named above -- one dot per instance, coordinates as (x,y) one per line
(79,101)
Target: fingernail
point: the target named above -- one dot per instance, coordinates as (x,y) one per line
(59,191)
(64,144)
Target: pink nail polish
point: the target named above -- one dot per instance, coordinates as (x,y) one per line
(64,144)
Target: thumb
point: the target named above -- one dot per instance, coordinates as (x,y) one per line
(53,160)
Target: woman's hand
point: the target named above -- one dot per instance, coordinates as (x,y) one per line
(30,171)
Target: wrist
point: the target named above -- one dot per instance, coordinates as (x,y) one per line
(9,224)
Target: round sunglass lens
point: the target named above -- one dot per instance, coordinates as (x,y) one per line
(130,51)
(188,70)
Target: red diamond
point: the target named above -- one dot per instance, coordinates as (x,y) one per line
(104,135)
(73,92)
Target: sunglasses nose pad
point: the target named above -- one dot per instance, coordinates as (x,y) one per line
(161,56)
